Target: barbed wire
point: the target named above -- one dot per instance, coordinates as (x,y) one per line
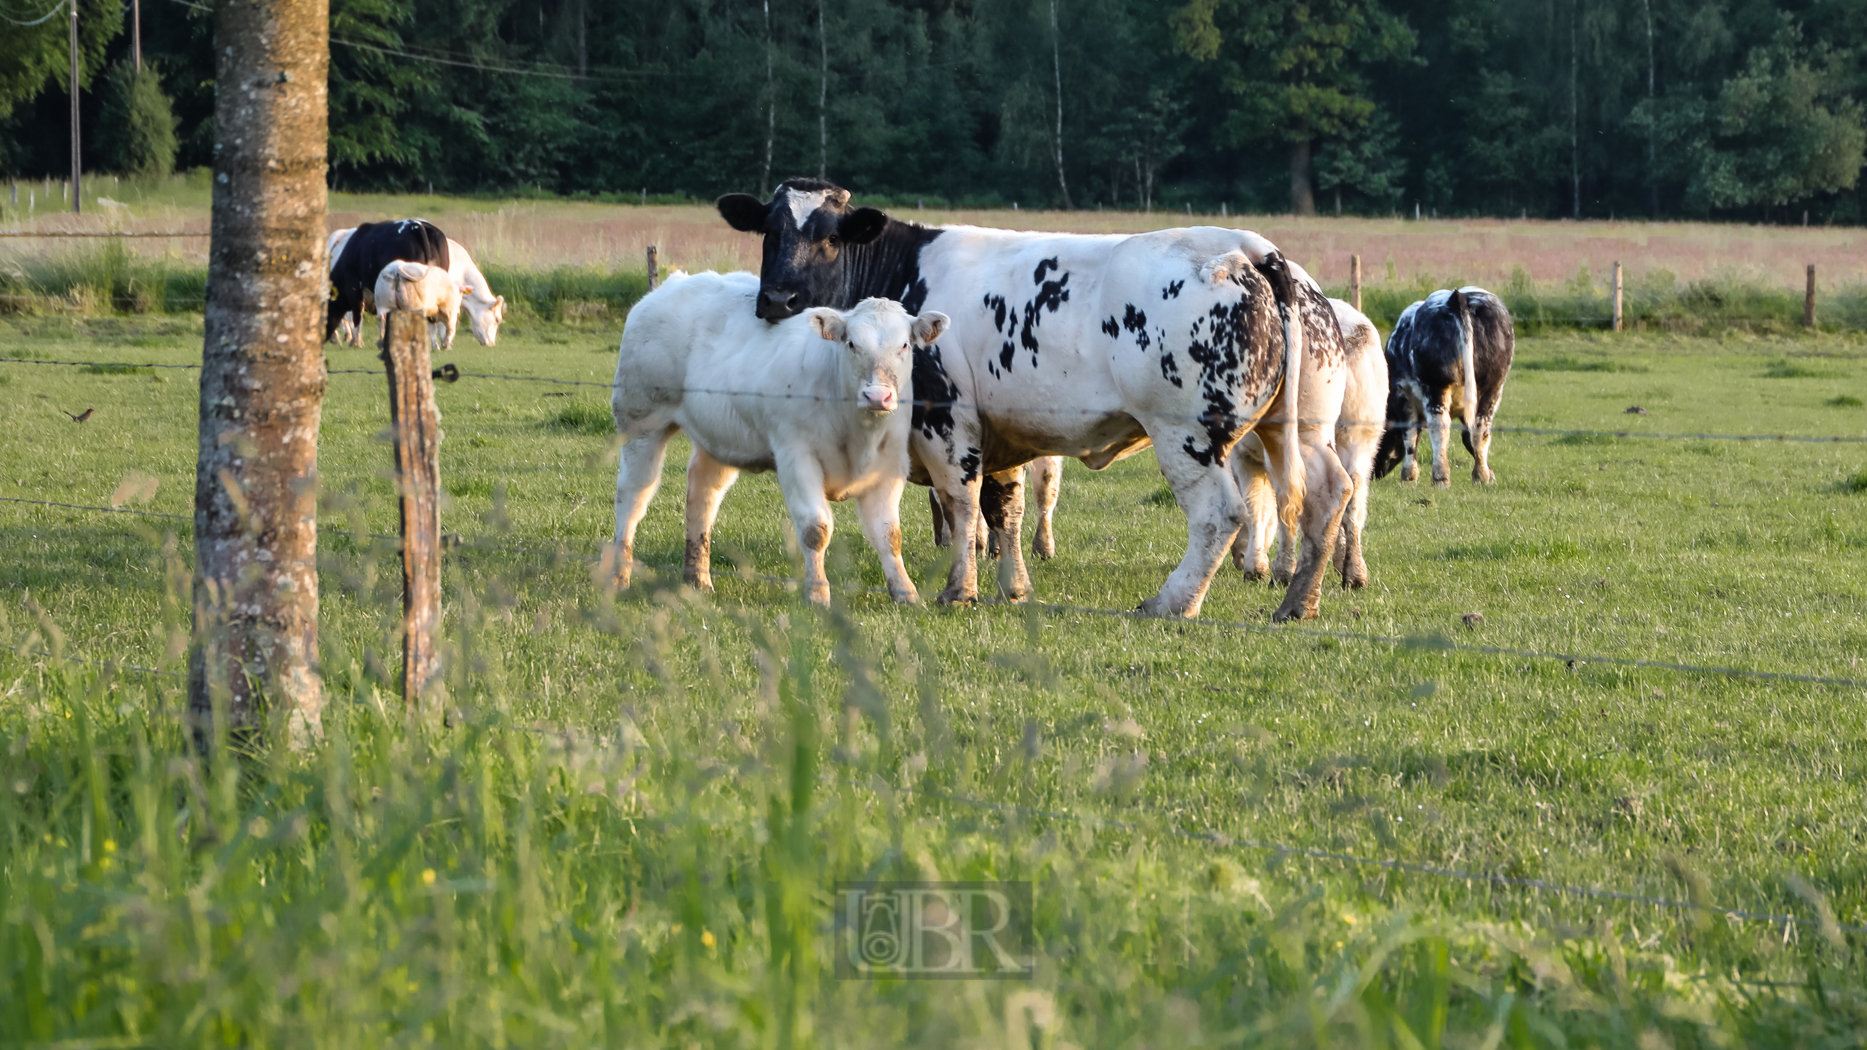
(112,233)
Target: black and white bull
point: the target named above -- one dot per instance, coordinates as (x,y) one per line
(372,246)
(1449,353)
(1070,345)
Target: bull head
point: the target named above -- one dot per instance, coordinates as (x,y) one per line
(807,226)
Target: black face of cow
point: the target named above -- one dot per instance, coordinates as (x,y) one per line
(807,227)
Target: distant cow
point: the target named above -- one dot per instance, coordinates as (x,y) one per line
(1343,405)
(817,398)
(1448,353)
(371,247)
(485,311)
(348,326)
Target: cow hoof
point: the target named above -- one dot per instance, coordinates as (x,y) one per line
(1483,479)
(1257,572)
(820,597)
(1286,614)
(1044,549)
(1159,608)
(1281,576)
(905,597)
(957,597)
(1442,483)
(1355,579)
(697,581)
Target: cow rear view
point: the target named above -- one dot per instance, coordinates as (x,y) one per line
(1449,353)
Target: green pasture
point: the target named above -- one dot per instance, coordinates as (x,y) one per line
(630,833)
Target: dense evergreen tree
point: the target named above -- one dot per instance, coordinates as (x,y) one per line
(137,133)
(1727,108)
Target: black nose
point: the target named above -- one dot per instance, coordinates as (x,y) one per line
(774,305)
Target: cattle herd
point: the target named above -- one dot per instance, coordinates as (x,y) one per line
(869,352)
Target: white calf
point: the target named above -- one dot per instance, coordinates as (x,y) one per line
(816,398)
(426,290)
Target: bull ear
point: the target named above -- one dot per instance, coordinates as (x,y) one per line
(743,212)
(862,225)
(828,324)
(929,327)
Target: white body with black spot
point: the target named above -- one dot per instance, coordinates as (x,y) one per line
(1449,354)
(818,398)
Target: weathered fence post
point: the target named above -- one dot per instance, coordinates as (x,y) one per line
(1808,301)
(1617,295)
(415,424)
(654,270)
(1354,281)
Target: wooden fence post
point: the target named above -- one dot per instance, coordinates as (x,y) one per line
(654,270)
(1617,295)
(1808,301)
(416,427)
(1354,281)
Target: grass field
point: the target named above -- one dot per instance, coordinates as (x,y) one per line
(631,833)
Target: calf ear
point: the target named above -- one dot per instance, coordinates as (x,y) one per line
(862,225)
(828,323)
(929,327)
(743,212)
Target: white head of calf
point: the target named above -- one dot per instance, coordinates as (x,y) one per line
(486,320)
(879,336)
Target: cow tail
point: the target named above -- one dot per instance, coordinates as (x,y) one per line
(1286,408)
(1467,355)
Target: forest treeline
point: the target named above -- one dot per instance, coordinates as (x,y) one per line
(1742,109)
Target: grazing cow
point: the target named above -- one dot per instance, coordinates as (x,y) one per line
(371,247)
(1449,352)
(1342,410)
(427,290)
(1075,345)
(485,311)
(816,398)
(348,326)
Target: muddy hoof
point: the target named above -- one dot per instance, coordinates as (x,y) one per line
(953,597)
(1282,576)
(1044,550)
(1286,614)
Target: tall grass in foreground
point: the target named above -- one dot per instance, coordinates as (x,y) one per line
(666,879)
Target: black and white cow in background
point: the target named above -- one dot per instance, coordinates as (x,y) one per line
(1088,346)
(372,246)
(1449,353)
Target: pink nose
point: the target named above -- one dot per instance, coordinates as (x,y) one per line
(878,399)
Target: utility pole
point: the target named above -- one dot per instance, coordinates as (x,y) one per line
(136,32)
(77,148)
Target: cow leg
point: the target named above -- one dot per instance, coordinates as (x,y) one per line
(993,496)
(1046,480)
(1249,549)
(707,482)
(637,478)
(801,479)
(880,509)
(941,536)
(1439,432)
(1214,511)
(1327,488)
(1480,440)
(1349,561)
(1004,515)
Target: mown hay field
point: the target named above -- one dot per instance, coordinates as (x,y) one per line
(1679,275)
(1354,830)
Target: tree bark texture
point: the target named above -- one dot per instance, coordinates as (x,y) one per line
(415,422)
(1302,190)
(262,374)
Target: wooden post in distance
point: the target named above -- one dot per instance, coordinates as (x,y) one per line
(1808,301)
(1617,295)
(654,270)
(415,424)
(1354,281)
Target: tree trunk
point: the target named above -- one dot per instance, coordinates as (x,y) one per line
(1056,66)
(1302,192)
(1575,109)
(823,97)
(262,375)
(1653,177)
(771,107)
